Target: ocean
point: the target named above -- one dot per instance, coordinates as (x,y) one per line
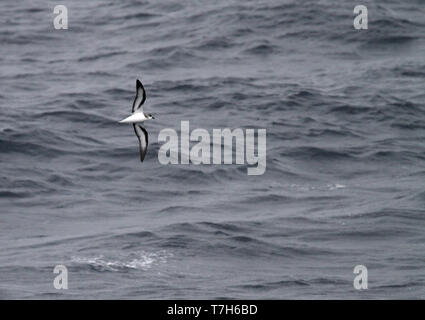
(344,185)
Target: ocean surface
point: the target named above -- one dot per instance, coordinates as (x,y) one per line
(344,111)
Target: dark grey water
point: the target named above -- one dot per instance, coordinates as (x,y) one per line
(344,112)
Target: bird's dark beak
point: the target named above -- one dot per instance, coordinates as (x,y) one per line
(153,117)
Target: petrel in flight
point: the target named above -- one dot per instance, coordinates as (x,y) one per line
(138,117)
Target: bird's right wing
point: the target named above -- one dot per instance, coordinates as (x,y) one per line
(142,135)
(140,97)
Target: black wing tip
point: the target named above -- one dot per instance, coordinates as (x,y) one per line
(139,83)
(142,153)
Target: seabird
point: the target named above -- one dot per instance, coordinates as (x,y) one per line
(138,116)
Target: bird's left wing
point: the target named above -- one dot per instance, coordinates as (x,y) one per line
(140,97)
(142,135)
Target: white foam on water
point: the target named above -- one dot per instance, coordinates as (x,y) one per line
(141,261)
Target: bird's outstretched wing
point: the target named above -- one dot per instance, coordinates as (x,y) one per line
(140,97)
(142,135)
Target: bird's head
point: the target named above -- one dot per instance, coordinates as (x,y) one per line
(150,116)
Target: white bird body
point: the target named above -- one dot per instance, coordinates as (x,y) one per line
(135,118)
